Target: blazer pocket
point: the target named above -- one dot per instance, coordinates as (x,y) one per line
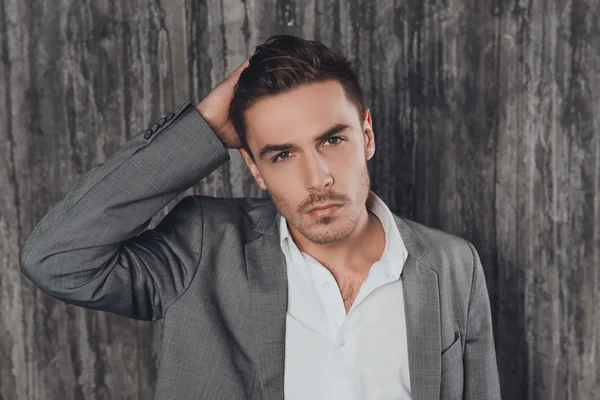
(453,352)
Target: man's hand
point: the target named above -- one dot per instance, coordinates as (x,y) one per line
(215,109)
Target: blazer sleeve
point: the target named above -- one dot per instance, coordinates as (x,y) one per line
(481,370)
(91,249)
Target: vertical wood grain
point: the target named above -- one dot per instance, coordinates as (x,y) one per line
(547,187)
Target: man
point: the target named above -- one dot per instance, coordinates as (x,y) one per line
(319,293)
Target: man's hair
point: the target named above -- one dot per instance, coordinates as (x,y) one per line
(282,63)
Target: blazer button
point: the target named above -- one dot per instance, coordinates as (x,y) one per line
(155,127)
(170,116)
(162,122)
(147,134)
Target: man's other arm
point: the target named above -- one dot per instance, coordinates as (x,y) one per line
(481,370)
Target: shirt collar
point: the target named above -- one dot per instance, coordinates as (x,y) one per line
(394,254)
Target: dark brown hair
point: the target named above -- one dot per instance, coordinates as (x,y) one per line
(282,63)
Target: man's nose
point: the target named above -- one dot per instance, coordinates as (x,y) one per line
(318,174)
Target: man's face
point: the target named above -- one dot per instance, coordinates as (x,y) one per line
(312,172)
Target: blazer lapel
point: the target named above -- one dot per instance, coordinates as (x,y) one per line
(422,310)
(267,281)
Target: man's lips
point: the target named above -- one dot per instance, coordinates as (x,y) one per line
(324,206)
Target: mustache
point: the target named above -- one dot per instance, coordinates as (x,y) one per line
(323,198)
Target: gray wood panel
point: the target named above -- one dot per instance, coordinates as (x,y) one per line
(486,119)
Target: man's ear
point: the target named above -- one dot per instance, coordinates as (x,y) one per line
(368,134)
(253,168)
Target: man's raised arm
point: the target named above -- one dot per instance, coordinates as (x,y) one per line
(91,249)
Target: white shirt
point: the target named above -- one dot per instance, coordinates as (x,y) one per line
(331,355)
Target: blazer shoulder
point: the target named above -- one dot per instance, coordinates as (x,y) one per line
(446,253)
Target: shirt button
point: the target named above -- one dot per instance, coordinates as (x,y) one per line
(342,342)
(324,284)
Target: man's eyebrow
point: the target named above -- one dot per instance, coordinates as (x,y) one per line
(271,148)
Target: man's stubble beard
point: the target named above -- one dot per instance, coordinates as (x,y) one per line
(328,229)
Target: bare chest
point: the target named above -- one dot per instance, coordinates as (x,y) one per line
(349,285)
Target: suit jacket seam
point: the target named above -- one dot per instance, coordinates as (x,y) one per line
(195,272)
(474,266)
(472,288)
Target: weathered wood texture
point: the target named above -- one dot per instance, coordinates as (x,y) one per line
(486,116)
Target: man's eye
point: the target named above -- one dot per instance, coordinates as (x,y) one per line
(276,159)
(279,159)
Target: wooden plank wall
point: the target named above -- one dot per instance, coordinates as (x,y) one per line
(486,116)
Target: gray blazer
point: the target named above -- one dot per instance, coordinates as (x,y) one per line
(213,272)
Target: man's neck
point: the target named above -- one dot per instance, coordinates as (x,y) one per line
(363,247)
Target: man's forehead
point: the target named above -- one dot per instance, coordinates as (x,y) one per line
(296,115)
